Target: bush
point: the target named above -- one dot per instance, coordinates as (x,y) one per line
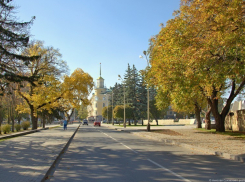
(6,128)
(17,127)
(25,125)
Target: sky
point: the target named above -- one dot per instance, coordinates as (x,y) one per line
(89,32)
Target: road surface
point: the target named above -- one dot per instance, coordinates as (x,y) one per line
(102,154)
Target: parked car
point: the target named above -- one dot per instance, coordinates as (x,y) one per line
(96,123)
(85,122)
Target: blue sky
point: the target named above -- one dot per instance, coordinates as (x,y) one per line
(89,32)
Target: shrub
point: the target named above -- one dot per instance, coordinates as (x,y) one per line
(17,127)
(25,125)
(6,128)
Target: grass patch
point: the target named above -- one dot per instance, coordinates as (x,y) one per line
(236,134)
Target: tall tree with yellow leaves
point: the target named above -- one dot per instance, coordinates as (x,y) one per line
(203,46)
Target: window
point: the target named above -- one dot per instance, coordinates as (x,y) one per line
(103,104)
(96,105)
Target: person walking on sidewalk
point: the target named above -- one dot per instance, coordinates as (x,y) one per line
(65,124)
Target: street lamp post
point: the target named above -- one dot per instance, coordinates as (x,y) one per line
(107,108)
(112,108)
(124,121)
(148,95)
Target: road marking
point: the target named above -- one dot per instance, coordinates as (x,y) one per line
(119,142)
(166,169)
(129,148)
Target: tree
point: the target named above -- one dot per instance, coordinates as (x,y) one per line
(119,112)
(83,112)
(48,68)
(220,29)
(3,110)
(131,81)
(104,112)
(13,39)
(76,90)
(141,106)
(204,45)
(155,112)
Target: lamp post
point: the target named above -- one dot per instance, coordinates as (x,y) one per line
(112,108)
(148,95)
(124,121)
(107,108)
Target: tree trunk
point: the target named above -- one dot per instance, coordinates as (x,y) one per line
(33,118)
(44,122)
(197,113)
(213,102)
(142,123)
(12,117)
(19,118)
(207,119)
(9,115)
(219,118)
(1,120)
(129,123)
(156,120)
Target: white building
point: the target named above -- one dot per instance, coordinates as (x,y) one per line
(99,100)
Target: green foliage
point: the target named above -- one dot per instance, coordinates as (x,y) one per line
(6,128)
(14,37)
(82,112)
(118,112)
(25,125)
(104,112)
(135,93)
(17,127)
(155,112)
(199,54)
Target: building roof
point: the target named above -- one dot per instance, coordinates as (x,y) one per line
(100,78)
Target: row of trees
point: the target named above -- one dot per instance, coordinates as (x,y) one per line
(33,77)
(135,98)
(198,57)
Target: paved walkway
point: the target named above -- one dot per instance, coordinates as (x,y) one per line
(29,157)
(222,145)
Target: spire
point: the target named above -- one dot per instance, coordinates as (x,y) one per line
(100,69)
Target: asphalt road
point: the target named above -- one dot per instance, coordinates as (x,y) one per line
(102,154)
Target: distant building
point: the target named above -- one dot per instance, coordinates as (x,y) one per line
(170,113)
(237,105)
(99,100)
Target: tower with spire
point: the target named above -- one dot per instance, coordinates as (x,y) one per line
(100,80)
(99,99)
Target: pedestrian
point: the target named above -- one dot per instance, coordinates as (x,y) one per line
(65,124)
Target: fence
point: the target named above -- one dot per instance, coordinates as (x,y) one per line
(171,122)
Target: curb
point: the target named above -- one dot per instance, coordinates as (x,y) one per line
(205,150)
(58,157)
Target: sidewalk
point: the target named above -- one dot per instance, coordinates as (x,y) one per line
(221,145)
(29,157)
(25,132)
